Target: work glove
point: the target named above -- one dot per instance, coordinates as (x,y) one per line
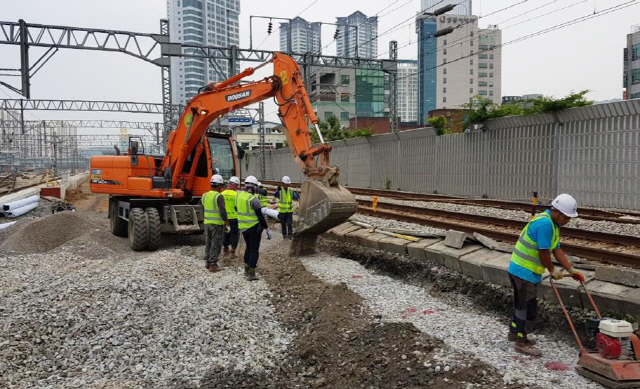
(556,274)
(576,274)
(269,234)
(227,228)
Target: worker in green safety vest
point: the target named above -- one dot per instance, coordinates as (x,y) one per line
(531,256)
(230,239)
(251,222)
(263,195)
(215,222)
(285,195)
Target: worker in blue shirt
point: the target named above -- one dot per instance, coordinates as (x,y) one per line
(531,256)
(285,195)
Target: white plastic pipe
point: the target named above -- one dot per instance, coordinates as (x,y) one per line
(272,213)
(22,210)
(5,225)
(20,203)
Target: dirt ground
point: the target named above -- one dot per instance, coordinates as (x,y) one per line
(338,342)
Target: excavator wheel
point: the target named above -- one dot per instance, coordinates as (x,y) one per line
(118,224)
(138,229)
(153,218)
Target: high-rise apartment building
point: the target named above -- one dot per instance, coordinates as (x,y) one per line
(454,68)
(461,8)
(304,37)
(631,81)
(357,36)
(408,90)
(201,22)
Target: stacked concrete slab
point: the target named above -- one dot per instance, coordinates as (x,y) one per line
(614,289)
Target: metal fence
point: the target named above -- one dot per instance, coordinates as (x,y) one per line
(592,153)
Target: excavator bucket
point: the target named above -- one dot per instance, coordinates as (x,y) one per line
(323,207)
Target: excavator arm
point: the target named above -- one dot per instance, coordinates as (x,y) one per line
(324,202)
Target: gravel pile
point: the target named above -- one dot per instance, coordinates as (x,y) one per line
(155,320)
(483,336)
(591,225)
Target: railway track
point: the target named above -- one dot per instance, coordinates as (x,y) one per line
(609,248)
(602,247)
(585,213)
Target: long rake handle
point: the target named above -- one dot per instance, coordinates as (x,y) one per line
(566,313)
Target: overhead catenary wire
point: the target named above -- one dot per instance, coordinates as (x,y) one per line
(538,33)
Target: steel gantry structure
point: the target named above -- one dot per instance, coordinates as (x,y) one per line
(158,49)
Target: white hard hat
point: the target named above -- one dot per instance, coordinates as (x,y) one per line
(217,179)
(234,180)
(251,180)
(566,204)
(286,180)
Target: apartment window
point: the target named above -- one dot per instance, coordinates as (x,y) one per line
(444,61)
(482,92)
(490,93)
(344,116)
(471,52)
(482,83)
(444,51)
(444,70)
(345,79)
(484,47)
(471,81)
(470,43)
(471,61)
(482,75)
(444,80)
(471,90)
(471,33)
(344,97)
(491,84)
(444,90)
(470,71)
(491,74)
(482,65)
(491,66)
(444,99)
(483,56)
(328,114)
(490,56)
(445,41)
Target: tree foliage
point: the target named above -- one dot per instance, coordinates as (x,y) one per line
(331,130)
(482,109)
(440,124)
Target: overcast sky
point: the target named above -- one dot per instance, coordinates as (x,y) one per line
(586,55)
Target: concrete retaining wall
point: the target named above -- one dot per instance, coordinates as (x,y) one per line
(490,266)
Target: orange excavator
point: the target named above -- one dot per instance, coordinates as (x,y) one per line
(151,195)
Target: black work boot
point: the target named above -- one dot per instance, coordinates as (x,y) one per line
(246,270)
(252,274)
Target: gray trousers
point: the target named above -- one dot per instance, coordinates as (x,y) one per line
(213,235)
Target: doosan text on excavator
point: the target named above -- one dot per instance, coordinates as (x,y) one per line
(151,195)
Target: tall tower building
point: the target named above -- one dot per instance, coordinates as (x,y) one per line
(454,68)
(631,67)
(408,90)
(461,8)
(207,23)
(304,37)
(357,35)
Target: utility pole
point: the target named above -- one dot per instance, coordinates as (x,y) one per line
(393,86)
(262,141)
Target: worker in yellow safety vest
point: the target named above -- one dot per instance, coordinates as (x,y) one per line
(251,222)
(230,239)
(531,256)
(263,195)
(285,195)
(215,222)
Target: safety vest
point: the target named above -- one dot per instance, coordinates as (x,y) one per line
(526,254)
(247,217)
(211,211)
(264,200)
(230,203)
(285,200)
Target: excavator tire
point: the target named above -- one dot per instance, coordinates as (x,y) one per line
(138,229)
(155,228)
(118,224)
